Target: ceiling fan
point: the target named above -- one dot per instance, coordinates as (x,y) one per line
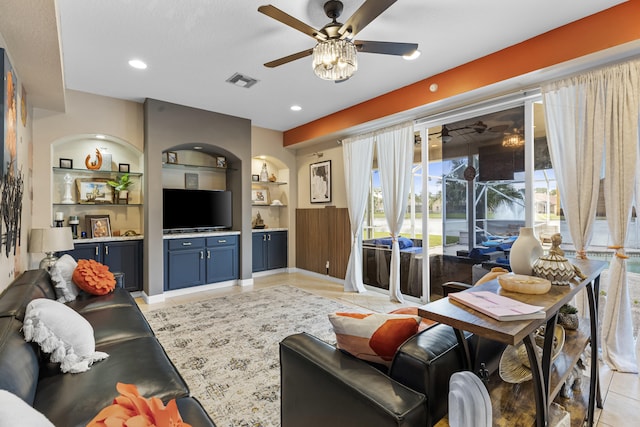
(334,56)
(477,127)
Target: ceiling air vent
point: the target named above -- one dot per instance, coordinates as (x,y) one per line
(242,80)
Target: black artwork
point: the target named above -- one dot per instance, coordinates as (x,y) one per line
(11,210)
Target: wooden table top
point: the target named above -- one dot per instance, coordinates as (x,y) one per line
(465,318)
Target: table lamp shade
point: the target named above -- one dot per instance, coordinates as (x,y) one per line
(48,241)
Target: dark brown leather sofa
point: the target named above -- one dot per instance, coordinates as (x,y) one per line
(120,329)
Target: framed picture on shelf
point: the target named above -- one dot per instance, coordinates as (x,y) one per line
(260,197)
(98,226)
(171,157)
(94,191)
(123,167)
(221,162)
(66,163)
(255,178)
(320,179)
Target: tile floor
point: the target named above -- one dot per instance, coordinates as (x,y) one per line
(621,392)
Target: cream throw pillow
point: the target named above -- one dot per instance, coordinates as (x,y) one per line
(16,412)
(61,331)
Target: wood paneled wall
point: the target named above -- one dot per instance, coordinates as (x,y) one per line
(323,235)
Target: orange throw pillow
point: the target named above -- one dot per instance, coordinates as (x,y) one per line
(131,409)
(93,277)
(373,337)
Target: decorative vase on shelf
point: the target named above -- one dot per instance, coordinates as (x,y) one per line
(264,173)
(524,252)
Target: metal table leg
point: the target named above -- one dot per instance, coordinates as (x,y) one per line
(542,410)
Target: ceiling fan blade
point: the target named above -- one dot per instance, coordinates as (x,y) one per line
(289,58)
(278,15)
(369,11)
(386,48)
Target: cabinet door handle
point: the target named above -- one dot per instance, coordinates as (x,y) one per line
(264,237)
(222,241)
(269,237)
(106,250)
(208,254)
(201,254)
(186,243)
(97,250)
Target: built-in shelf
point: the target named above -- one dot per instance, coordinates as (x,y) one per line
(124,205)
(269,206)
(268,183)
(191,167)
(93,172)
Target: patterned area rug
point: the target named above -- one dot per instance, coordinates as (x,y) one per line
(226,348)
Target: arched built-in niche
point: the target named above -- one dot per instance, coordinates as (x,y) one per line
(68,158)
(275,209)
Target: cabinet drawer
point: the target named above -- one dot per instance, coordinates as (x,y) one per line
(177,244)
(222,241)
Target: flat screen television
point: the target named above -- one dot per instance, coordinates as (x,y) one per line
(195,209)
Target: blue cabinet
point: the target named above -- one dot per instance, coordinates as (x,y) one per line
(269,250)
(201,260)
(121,256)
(222,258)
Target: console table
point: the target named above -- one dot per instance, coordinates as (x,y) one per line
(511,403)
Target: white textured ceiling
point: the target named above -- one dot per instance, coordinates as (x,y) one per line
(193,46)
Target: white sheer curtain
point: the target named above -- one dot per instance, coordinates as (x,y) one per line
(586,114)
(576,148)
(395,158)
(622,84)
(358,161)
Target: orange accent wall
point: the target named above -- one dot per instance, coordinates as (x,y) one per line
(606,29)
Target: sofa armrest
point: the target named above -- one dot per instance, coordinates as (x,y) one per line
(450,287)
(323,386)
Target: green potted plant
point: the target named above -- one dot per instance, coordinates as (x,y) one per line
(121,187)
(568,317)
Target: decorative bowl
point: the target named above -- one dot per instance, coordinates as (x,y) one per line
(524,284)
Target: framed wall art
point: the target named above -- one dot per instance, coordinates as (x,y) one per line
(94,191)
(191,181)
(124,167)
(320,179)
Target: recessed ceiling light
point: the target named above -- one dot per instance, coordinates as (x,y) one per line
(100,136)
(197,147)
(411,56)
(296,108)
(137,63)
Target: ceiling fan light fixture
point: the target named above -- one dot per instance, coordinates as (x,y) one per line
(513,140)
(335,59)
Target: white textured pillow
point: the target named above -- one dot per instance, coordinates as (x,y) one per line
(61,331)
(16,412)
(61,273)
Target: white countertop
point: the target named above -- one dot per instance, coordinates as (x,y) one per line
(109,239)
(267,230)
